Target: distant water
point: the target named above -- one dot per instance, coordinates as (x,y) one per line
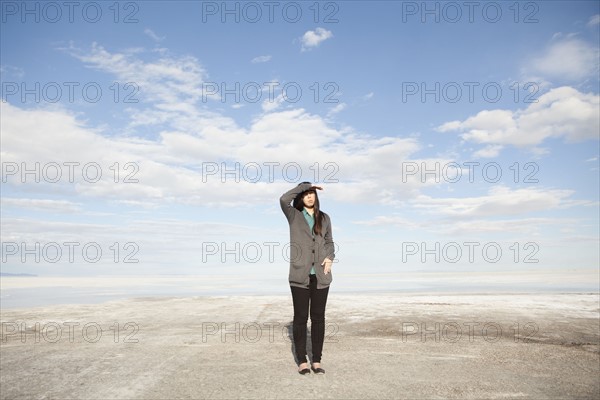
(23,292)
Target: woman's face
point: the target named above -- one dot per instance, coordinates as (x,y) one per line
(309,199)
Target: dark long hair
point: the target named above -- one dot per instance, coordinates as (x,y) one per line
(299,205)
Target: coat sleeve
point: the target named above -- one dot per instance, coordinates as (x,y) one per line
(288,197)
(329,245)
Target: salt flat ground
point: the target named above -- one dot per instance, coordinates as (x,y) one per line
(377,346)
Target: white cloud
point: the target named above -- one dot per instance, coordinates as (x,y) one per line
(454,227)
(268,105)
(153,35)
(336,109)
(46,205)
(499,201)
(10,71)
(170,166)
(485,214)
(261,59)
(389,220)
(166,81)
(594,20)
(314,38)
(562,112)
(490,151)
(524,226)
(568,58)
(161,242)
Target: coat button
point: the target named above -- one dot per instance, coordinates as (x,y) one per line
(313,251)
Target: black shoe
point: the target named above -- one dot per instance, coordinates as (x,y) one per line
(303,371)
(317,370)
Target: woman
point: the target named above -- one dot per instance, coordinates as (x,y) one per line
(311,256)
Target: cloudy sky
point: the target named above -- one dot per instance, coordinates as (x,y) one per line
(157,137)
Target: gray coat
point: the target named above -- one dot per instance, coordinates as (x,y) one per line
(304,249)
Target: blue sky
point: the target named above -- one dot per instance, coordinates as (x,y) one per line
(538,114)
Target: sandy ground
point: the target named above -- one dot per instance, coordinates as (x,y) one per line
(386,346)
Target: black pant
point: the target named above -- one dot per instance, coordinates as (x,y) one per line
(318,300)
